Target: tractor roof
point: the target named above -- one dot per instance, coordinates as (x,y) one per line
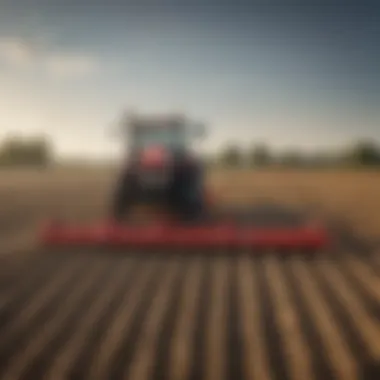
(158,121)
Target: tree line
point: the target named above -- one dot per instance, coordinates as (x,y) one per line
(38,152)
(16,151)
(362,153)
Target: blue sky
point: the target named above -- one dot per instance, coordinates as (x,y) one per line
(288,73)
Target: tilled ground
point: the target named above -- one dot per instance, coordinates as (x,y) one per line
(101,316)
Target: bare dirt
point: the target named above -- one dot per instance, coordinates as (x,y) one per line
(97,315)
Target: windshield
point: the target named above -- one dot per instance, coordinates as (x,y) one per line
(171,138)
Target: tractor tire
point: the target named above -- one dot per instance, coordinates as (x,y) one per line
(124,196)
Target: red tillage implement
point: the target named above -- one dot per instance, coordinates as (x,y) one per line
(167,236)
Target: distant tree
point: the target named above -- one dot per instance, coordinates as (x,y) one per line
(323,160)
(15,151)
(364,153)
(231,155)
(293,158)
(260,155)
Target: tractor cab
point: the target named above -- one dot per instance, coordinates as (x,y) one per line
(161,169)
(173,133)
(169,136)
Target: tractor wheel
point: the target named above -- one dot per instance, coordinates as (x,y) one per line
(124,196)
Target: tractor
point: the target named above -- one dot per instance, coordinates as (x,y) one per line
(161,201)
(161,177)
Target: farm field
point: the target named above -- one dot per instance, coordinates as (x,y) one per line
(78,315)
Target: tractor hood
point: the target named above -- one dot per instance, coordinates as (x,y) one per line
(154,167)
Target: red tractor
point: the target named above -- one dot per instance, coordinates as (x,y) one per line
(164,178)
(161,174)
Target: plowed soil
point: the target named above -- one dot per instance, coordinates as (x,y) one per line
(102,315)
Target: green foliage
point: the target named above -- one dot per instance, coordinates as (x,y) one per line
(361,154)
(15,151)
(231,156)
(364,153)
(293,158)
(260,155)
